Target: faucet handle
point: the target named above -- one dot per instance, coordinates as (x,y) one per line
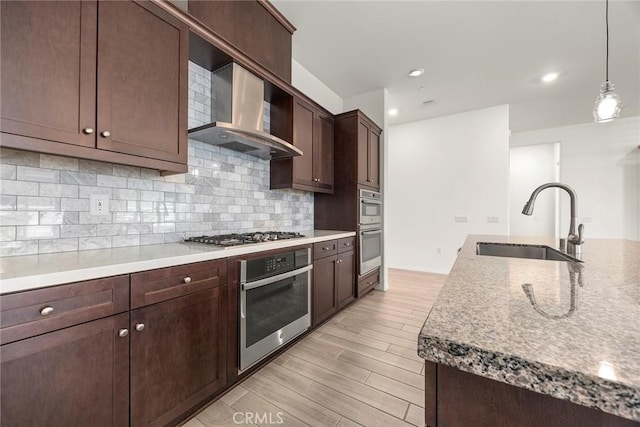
(580,234)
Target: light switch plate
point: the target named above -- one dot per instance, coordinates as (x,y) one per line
(99,204)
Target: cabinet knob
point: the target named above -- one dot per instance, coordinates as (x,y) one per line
(369,283)
(347,243)
(105,134)
(316,180)
(87,131)
(338,261)
(139,327)
(46,310)
(187,280)
(123,333)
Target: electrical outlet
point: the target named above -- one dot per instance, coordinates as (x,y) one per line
(439,251)
(461,219)
(99,204)
(493,220)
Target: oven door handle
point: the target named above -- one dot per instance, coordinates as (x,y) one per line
(371,232)
(372,202)
(269,280)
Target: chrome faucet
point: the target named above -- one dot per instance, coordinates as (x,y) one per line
(574,240)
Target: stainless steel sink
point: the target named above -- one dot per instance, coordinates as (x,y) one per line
(514,250)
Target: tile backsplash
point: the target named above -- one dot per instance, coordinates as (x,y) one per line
(44,199)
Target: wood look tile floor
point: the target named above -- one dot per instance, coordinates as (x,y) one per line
(359,368)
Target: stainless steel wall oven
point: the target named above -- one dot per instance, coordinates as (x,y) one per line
(369,248)
(369,231)
(275,302)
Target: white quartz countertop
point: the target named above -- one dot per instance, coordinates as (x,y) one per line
(35,271)
(565,329)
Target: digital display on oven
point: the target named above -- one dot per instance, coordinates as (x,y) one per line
(276,264)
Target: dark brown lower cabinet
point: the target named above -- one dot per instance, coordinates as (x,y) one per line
(78,376)
(333,283)
(178,350)
(346,279)
(457,398)
(324,289)
(367,282)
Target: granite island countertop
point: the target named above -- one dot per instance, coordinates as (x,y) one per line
(564,329)
(27,272)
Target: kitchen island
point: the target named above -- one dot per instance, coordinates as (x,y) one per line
(513,341)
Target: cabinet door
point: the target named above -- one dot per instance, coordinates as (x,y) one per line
(303,136)
(178,352)
(48,70)
(346,278)
(78,376)
(363,153)
(323,152)
(324,289)
(374,159)
(142,81)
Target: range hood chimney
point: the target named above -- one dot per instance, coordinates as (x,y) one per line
(239,104)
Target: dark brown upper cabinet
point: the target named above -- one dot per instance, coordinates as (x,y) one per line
(98,80)
(311,130)
(256,28)
(142,81)
(368,153)
(357,165)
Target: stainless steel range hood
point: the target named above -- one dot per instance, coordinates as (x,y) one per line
(238,102)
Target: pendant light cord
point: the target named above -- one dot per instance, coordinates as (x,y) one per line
(607,27)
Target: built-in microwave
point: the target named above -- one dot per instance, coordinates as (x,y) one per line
(370,208)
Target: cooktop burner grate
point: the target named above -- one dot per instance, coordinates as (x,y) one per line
(227,240)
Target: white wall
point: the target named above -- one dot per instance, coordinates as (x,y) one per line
(529,167)
(373,104)
(602,163)
(311,86)
(438,169)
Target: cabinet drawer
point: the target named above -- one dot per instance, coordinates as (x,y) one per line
(150,287)
(368,281)
(346,244)
(30,313)
(324,249)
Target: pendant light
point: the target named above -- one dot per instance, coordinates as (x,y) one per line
(608,102)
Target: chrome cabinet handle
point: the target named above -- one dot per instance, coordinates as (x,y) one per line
(339,261)
(369,283)
(123,333)
(187,280)
(139,327)
(105,134)
(46,310)
(347,243)
(87,131)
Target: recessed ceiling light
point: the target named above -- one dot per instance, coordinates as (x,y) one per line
(549,77)
(393,112)
(416,72)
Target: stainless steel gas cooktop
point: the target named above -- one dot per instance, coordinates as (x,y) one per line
(226,240)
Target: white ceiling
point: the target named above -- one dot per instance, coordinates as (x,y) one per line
(475,54)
